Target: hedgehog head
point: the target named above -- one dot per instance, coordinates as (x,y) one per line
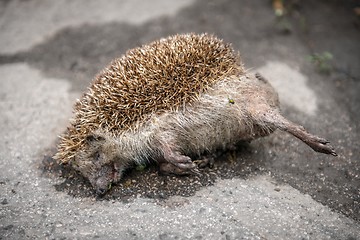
(97,161)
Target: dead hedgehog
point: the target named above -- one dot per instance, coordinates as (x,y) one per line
(185,95)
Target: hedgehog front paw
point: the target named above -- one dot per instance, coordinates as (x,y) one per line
(204,162)
(178,160)
(169,168)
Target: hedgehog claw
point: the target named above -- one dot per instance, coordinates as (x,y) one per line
(321,145)
(195,171)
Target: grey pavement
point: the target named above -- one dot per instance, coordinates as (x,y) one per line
(51,50)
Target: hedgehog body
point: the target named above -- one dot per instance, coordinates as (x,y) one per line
(186,95)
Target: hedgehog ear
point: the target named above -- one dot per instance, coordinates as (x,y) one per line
(94,138)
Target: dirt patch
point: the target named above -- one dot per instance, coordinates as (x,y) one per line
(150,183)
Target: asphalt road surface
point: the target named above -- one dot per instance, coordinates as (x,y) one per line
(272,188)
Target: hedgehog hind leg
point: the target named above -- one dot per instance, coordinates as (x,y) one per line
(318,144)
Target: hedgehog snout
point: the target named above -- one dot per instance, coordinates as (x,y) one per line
(101,191)
(101,179)
(102,185)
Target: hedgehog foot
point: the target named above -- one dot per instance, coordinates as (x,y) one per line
(169,169)
(204,162)
(319,144)
(177,159)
